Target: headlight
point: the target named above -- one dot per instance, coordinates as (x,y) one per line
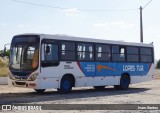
(32,77)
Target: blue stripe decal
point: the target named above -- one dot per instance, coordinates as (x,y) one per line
(114,69)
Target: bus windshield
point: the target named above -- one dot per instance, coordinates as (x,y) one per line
(24,53)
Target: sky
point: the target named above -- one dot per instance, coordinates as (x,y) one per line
(101,19)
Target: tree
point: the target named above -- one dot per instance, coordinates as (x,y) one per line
(1,53)
(7,53)
(4,53)
(158,64)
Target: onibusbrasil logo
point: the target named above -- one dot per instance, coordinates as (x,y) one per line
(20,107)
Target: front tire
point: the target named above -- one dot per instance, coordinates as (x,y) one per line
(66,85)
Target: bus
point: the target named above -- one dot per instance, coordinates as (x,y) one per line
(43,61)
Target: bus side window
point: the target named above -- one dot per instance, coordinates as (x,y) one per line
(68,51)
(85,52)
(118,53)
(132,54)
(146,55)
(50,55)
(122,52)
(103,52)
(51,52)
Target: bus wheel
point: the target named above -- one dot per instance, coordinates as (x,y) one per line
(66,85)
(39,90)
(116,87)
(99,87)
(124,82)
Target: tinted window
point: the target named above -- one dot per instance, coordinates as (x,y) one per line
(145,58)
(146,51)
(146,55)
(132,54)
(118,53)
(132,50)
(85,51)
(103,48)
(115,49)
(67,51)
(68,46)
(52,55)
(103,53)
(133,58)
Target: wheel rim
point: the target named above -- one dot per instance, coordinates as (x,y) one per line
(66,85)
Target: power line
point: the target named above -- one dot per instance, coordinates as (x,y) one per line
(30,3)
(62,8)
(147,4)
(110,10)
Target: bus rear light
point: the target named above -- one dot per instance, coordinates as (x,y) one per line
(32,77)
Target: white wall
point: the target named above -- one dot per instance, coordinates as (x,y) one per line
(3,80)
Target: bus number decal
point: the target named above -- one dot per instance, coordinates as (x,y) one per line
(68,67)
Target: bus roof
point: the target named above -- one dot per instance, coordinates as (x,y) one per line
(92,40)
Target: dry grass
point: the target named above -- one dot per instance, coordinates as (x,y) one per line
(3,72)
(157,74)
(3,67)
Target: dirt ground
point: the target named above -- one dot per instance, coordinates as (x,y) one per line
(142,93)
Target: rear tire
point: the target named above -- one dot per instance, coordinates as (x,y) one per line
(124,82)
(116,86)
(66,85)
(99,87)
(39,90)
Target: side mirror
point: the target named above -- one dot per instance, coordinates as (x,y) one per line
(48,49)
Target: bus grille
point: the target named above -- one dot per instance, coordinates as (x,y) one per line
(20,83)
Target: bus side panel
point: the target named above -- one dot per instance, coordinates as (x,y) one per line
(104,81)
(49,77)
(110,73)
(144,77)
(84,73)
(46,83)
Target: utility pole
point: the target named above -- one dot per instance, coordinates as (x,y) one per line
(141,25)
(141,21)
